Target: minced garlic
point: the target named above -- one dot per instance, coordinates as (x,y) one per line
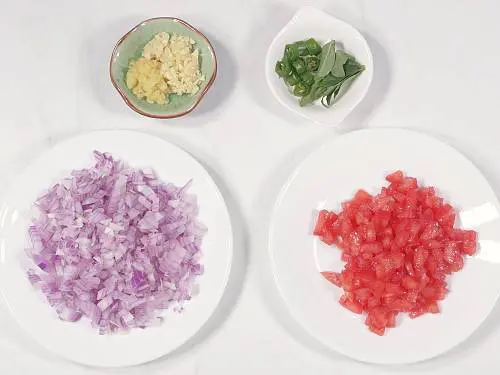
(172,57)
(155,47)
(145,80)
(181,65)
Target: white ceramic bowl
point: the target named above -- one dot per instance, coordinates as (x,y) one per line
(311,22)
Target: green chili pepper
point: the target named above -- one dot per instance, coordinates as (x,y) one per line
(283,68)
(302,48)
(307,78)
(312,63)
(299,66)
(313,72)
(286,68)
(312,46)
(301,89)
(292,79)
(291,52)
(278,69)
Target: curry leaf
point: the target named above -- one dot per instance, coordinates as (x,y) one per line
(330,80)
(317,73)
(345,85)
(309,98)
(338,68)
(329,99)
(352,67)
(327,60)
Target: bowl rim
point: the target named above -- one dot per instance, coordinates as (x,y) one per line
(124,95)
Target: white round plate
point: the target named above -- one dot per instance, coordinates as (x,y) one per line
(332,174)
(78,341)
(311,22)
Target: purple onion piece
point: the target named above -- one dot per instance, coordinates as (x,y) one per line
(115,244)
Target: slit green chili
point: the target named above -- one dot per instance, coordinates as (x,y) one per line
(313,72)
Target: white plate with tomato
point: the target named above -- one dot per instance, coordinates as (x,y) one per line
(406,270)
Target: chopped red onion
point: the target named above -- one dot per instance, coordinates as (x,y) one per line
(115,244)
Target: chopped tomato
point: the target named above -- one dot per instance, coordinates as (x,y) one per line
(333,277)
(351,304)
(398,247)
(320,227)
(396,177)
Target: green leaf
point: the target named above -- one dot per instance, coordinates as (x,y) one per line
(352,67)
(327,91)
(325,100)
(317,92)
(310,97)
(337,90)
(344,86)
(327,60)
(306,100)
(336,72)
(340,85)
(330,80)
(340,59)
(321,88)
(329,99)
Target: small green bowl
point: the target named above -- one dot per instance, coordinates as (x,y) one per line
(130,46)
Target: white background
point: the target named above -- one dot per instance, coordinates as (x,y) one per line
(436,70)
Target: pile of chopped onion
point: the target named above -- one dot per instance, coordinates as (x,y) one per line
(115,244)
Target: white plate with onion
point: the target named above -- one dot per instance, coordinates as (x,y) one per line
(179,318)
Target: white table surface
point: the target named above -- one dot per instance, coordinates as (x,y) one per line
(436,70)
